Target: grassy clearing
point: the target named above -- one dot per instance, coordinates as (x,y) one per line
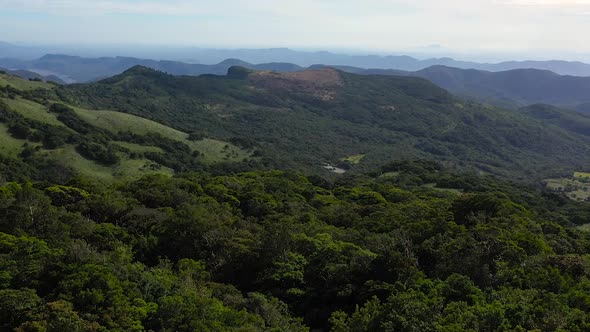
(32,110)
(449,190)
(117,122)
(213,150)
(138,148)
(577,187)
(9,146)
(217,151)
(22,84)
(126,169)
(581,175)
(354,159)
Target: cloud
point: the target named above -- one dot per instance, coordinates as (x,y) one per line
(555,3)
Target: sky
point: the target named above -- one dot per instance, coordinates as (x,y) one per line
(551,26)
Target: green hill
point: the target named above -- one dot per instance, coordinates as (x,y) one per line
(38,128)
(305,120)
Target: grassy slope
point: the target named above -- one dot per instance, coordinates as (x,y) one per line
(126,168)
(9,146)
(22,84)
(31,110)
(213,150)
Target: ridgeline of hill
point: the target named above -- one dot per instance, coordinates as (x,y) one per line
(512,88)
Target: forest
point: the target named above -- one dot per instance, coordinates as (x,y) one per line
(211,229)
(279,251)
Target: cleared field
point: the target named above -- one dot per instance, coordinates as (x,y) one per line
(212,150)
(581,175)
(216,151)
(449,190)
(571,187)
(9,146)
(126,169)
(32,110)
(22,84)
(354,159)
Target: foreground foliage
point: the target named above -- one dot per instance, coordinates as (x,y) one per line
(394,251)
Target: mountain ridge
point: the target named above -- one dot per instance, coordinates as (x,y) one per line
(512,88)
(108,66)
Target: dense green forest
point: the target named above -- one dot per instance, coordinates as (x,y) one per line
(278,251)
(219,217)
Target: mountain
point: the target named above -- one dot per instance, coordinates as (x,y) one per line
(512,88)
(82,69)
(32,75)
(573,68)
(78,69)
(311,118)
(517,87)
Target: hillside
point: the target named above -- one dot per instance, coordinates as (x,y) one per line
(39,130)
(304,120)
(519,87)
(509,89)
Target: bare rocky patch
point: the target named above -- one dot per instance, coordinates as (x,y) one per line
(320,83)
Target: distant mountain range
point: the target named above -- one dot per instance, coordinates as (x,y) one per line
(27,57)
(32,75)
(74,69)
(511,88)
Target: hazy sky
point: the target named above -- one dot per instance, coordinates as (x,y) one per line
(478,25)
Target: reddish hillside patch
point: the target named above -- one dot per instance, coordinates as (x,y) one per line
(320,83)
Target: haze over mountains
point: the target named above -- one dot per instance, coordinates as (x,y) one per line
(19,56)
